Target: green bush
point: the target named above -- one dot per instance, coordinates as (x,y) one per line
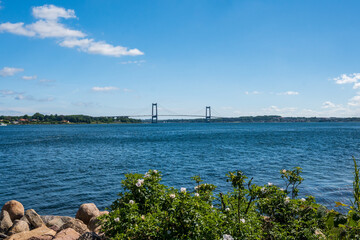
(147,209)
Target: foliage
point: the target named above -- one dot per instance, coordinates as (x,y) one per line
(356,187)
(39,118)
(147,209)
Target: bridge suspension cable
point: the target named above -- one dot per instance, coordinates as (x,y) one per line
(155,114)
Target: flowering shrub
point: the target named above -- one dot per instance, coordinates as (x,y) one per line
(147,209)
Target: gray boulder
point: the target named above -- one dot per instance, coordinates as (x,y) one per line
(67,234)
(5,222)
(34,218)
(14,208)
(18,227)
(77,225)
(56,222)
(87,211)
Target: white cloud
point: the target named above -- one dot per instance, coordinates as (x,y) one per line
(4,93)
(102,48)
(354,101)
(48,26)
(110,50)
(344,78)
(356,85)
(16,28)
(31,98)
(252,93)
(104,89)
(81,43)
(289,93)
(51,12)
(46,29)
(8,71)
(328,104)
(22,96)
(29,77)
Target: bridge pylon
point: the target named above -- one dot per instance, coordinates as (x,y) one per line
(154,113)
(208,114)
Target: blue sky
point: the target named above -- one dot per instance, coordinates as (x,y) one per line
(289,58)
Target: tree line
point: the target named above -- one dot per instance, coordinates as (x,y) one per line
(57,119)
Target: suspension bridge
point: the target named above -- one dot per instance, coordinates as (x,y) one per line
(154,116)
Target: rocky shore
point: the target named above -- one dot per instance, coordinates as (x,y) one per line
(18,224)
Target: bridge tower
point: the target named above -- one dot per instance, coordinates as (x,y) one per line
(154,113)
(208,114)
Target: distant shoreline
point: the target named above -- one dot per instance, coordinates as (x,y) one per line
(38,118)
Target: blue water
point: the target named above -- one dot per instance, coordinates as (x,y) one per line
(55,168)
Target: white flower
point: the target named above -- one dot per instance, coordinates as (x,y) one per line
(139,182)
(196,187)
(172,195)
(227,237)
(227,209)
(212,206)
(183,190)
(155,171)
(242,220)
(281,189)
(284,171)
(131,201)
(117,219)
(287,200)
(146,175)
(142,217)
(270,184)
(303,199)
(197,195)
(263,190)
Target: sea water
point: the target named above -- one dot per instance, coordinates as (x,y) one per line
(55,168)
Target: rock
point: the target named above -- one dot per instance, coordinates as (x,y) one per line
(37,232)
(34,218)
(45,237)
(87,211)
(5,221)
(94,225)
(3,236)
(14,208)
(67,234)
(56,222)
(77,225)
(19,226)
(90,236)
(24,218)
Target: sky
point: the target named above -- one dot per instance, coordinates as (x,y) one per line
(113,58)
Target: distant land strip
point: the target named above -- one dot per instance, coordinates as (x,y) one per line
(39,118)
